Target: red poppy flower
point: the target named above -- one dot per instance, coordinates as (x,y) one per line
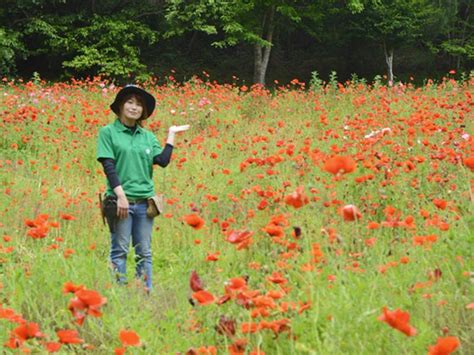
(244,245)
(13,343)
(317,253)
(340,165)
(297,199)
(423,240)
(52,346)
(30,223)
(469,162)
(202,350)
(444,346)
(246,328)
(373,225)
(195,282)
(235,237)
(86,302)
(27,331)
(69,287)
(203,297)
(274,230)
(39,232)
(67,217)
(238,347)
(277,326)
(242,239)
(194,221)
(226,326)
(69,336)
(129,338)
(212,256)
(399,320)
(235,285)
(10,315)
(262,205)
(350,213)
(277,278)
(440,203)
(90,298)
(38,221)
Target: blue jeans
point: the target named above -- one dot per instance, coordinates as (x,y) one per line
(138,227)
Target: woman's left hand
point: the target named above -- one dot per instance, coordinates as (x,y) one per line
(176,129)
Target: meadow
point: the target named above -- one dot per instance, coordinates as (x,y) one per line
(336,220)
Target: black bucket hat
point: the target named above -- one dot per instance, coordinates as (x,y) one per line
(133,89)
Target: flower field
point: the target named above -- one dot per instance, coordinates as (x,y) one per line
(337,220)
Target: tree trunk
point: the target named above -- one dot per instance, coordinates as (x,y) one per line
(389,60)
(191,42)
(262,53)
(257,67)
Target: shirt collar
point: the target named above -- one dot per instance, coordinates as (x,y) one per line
(121,127)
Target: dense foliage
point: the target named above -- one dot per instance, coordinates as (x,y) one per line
(258,41)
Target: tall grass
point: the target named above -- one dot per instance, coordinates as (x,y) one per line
(48,166)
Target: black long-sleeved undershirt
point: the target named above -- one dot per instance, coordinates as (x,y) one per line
(162,159)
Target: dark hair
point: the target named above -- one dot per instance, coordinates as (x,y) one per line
(141,100)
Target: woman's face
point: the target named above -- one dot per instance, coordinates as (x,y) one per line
(132,110)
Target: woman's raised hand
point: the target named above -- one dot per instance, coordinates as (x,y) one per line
(176,129)
(173,130)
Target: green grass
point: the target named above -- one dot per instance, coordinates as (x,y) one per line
(47,165)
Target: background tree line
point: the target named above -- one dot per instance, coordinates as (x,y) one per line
(258,41)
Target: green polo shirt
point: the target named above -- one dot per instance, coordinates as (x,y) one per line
(133,154)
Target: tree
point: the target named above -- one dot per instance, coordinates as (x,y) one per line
(77,37)
(129,38)
(109,46)
(253,22)
(232,22)
(457,34)
(10,49)
(396,22)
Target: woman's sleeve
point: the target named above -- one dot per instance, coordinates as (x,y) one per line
(109,170)
(104,145)
(163,159)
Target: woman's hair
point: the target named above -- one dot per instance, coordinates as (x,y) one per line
(141,100)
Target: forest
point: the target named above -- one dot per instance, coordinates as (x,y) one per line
(259,41)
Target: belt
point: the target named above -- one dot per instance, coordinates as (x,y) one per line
(136,202)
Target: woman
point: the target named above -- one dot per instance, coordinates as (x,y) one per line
(127,152)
